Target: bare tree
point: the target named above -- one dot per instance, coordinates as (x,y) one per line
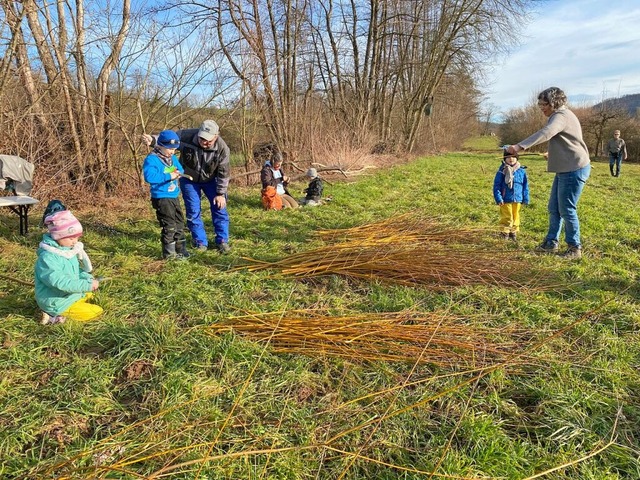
(178,95)
(519,123)
(353,72)
(598,124)
(262,41)
(376,65)
(381,62)
(18,50)
(58,32)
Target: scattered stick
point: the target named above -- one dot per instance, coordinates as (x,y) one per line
(142,122)
(593,453)
(17,280)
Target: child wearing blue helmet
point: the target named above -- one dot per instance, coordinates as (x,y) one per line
(161,170)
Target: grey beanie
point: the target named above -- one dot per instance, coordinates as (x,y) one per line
(312,173)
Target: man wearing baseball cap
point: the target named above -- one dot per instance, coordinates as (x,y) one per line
(205,157)
(617,149)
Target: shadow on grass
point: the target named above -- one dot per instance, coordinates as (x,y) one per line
(20,299)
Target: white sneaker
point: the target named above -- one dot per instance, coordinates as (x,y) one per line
(49,320)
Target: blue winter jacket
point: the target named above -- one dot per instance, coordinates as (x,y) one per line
(520,191)
(60,282)
(157,174)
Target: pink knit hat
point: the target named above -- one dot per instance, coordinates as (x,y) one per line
(63,225)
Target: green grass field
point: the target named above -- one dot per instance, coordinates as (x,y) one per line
(150,390)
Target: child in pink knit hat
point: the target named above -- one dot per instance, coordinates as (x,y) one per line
(63,272)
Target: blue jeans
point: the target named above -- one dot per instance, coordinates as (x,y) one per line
(563,205)
(615,159)
(192,193)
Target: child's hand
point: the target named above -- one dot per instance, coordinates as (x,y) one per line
(146,139)
(94,285)
(175,174)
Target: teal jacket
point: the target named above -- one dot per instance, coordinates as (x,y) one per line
(60,282)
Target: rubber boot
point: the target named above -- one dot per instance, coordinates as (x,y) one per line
(169,251)
(181,250)
(611,168)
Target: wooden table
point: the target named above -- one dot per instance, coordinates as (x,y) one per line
(20,206)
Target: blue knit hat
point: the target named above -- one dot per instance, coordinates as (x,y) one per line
(168,139)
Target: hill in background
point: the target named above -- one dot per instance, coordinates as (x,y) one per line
(630,103)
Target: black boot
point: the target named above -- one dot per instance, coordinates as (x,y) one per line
(169,251)
(181,250)
(611,168)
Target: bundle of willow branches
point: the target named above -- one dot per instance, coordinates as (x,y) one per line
(407,227)
(411,250)
(436,338)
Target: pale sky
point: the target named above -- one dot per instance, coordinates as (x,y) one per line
(588,48)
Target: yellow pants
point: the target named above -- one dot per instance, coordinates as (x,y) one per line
(510,217)
(82,311)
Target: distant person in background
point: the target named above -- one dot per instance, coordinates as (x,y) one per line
(273,176)
(568,158)
(617,152)
(205,157)
(510,191)
(313,192)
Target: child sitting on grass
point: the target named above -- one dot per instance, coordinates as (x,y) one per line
(510,191)
(63,272)
(313,192)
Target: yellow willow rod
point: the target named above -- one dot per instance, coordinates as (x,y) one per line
(243,388)
(582,459)
(164,471)
(409,333)
(400,387)
(482,373)
(397,467)
(387,410)
(104,441)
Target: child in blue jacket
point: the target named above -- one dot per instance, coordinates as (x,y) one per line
(161,170)
(510,191)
